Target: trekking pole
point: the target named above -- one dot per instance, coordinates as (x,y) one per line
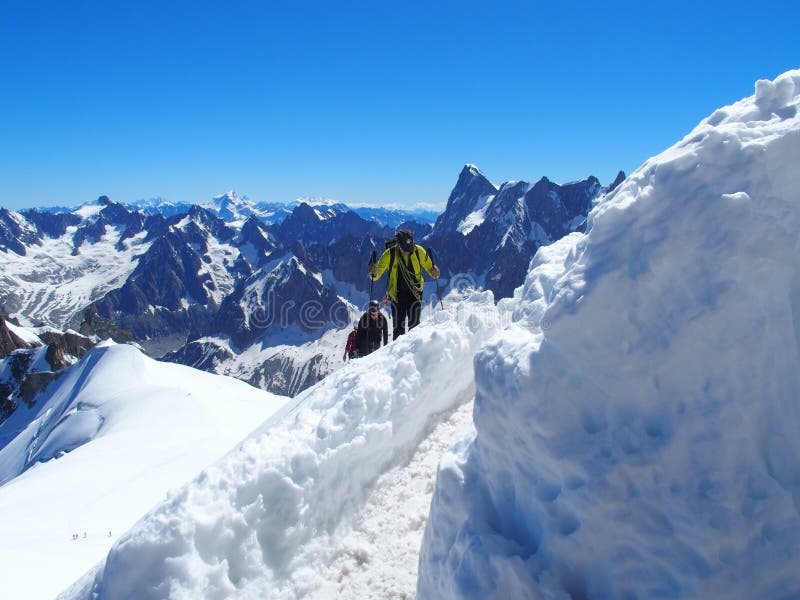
(429,252)
(372,260)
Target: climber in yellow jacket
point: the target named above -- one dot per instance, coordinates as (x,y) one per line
(404,261)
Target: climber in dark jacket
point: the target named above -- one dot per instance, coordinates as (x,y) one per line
(351,349)
(371,327)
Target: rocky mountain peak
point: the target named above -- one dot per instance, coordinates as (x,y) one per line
(617,180)
(469,194)
(471,178)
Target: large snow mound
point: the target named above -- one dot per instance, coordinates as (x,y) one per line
(273,518)
(114,434)
(636,430)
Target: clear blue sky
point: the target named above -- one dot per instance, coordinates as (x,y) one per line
(360,101)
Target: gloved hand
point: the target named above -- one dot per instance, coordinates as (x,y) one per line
(373,269)
(435,272)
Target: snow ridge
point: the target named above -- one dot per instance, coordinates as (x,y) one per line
(267,520)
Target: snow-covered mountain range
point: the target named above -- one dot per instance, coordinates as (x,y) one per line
(622,426)
(233,208)
(205,285)
(490,232)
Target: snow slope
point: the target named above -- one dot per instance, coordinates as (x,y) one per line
(288,514)
(636,428)
(124,429)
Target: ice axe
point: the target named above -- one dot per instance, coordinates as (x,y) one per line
(429,253)
(372,260)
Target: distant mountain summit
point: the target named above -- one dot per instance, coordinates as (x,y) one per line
(309,225)
(471,194)
(231,207)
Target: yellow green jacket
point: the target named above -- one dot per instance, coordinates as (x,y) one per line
(419,258)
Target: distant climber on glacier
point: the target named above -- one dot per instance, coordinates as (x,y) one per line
(404,261)
(372,326)
(351,349)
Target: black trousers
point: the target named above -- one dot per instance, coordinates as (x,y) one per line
(402,310)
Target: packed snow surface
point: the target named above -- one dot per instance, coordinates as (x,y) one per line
(297,507)
(636,428)
(114,434)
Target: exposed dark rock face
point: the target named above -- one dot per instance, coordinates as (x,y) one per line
(156,226)
(95,325)
(167,291)
(347,258)
(205,356)
(16,232)
(20,383)
(169,271)
(10,383)
(55,358)
(35,383)
(8,341)
(7,404)
(617,181)
(282,375)
(70,343)
(53,225)
(115,215)
(284,372)
(170,293)
(281,295)
(471,189)
(90,232)
(256,243)
(201,223)
(19,362)
(309,225)
(492,233)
